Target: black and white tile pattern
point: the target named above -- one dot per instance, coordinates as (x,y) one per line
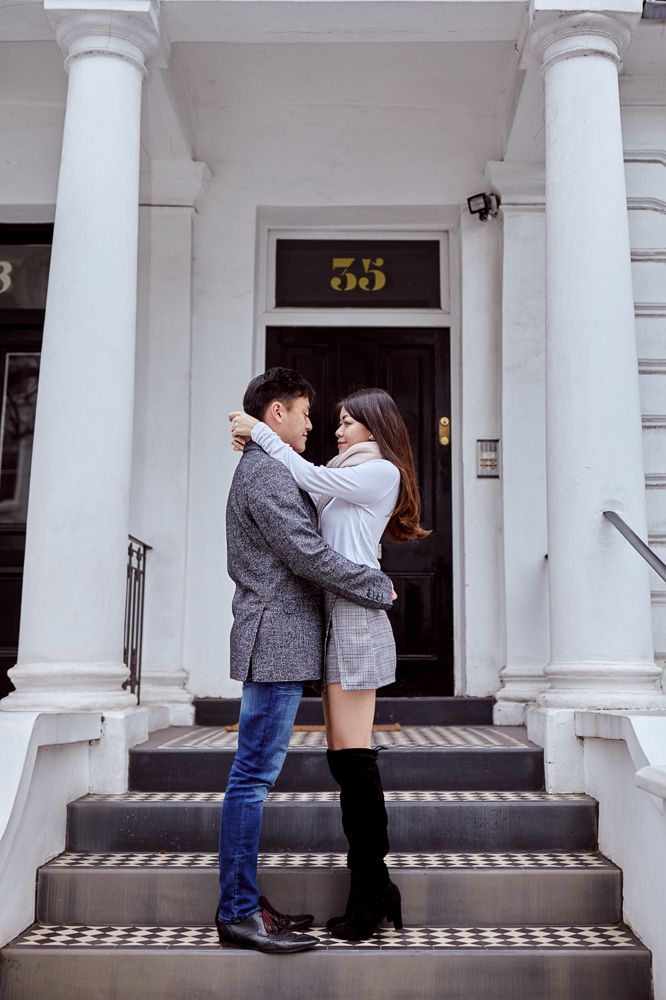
(544,860)
(430,938)
(174,798)
(438,737)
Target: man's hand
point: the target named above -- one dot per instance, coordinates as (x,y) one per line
(394,596)
(241,428)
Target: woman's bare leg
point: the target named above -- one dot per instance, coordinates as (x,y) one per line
(349,717)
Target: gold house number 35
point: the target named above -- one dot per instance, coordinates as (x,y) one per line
(347,280)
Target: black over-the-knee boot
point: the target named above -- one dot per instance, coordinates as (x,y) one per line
(372,896)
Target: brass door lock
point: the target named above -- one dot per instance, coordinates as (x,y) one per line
(444,431)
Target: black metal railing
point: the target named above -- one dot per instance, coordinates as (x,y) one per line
(654,10)
(134,601)
(650,557)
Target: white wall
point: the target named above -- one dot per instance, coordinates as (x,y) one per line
(329,125)
(45,766)
(644,128)
(282,125)
(632,823)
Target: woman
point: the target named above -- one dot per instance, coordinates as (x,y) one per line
(368,488)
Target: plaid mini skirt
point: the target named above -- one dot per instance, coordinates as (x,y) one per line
(360,648)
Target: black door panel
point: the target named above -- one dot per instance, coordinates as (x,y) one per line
(414,366)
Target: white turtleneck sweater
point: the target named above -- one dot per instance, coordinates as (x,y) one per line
(363,497)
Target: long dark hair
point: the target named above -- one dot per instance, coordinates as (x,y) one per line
(376,410)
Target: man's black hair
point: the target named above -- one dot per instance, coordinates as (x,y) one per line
(282,384)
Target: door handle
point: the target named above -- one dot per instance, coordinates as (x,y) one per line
(444,431)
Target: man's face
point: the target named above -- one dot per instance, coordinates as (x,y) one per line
(295,423)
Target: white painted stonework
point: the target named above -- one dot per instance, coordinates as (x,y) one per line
(408,127)
(171,143)
(625,770)
(45,766)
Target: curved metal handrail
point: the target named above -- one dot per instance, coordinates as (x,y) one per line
(644,550)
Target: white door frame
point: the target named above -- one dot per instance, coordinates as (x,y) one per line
(408,223)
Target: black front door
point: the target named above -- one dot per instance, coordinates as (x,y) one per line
(414,366)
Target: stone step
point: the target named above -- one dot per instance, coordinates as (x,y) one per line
(406,711)
(198,759)
(478,890)
(458,963)
(310,821)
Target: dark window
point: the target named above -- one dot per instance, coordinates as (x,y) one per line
(358,274)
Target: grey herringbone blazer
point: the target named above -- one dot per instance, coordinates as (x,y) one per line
(279,563)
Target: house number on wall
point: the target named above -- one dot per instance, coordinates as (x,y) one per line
(5,280)
(352,280)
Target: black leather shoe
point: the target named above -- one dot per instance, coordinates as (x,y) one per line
(259,931)
(287,921)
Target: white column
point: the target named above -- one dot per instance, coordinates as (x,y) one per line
(71,641)
(601,638)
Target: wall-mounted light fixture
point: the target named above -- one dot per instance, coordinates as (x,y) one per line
(484,205)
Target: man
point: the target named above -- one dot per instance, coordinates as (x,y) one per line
(279,563)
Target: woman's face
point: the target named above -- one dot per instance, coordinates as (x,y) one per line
(350,432)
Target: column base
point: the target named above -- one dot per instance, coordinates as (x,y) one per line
(554,730)
(166,689)
(521,685)
(596,685)
(510,713)
(109,756)
(68,687)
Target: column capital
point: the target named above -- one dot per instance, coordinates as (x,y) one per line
(125,29)
(555,37)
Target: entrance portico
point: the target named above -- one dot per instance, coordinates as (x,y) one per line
(387,148)
(174,144)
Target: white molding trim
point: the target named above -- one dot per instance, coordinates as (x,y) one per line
(658,597)
(650,308)
(655,481)
(176,184)
(23,214)
(651,255)
(385,222)
(646,205)
(645,156)
(652,366)
(353,317)
(520,185)
(657,538)
(654,421)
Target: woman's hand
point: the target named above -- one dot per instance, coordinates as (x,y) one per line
(241,428)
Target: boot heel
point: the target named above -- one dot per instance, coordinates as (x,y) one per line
(394,916)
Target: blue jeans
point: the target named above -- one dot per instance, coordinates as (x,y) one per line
(266,717)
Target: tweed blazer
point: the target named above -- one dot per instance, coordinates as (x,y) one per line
(280,563)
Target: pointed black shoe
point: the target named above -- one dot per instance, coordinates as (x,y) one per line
(287,921)
(365,919)
(260,932)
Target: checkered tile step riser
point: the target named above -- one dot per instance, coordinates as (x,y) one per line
(318,797)
(429,861)
(422,938)
(441,737)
